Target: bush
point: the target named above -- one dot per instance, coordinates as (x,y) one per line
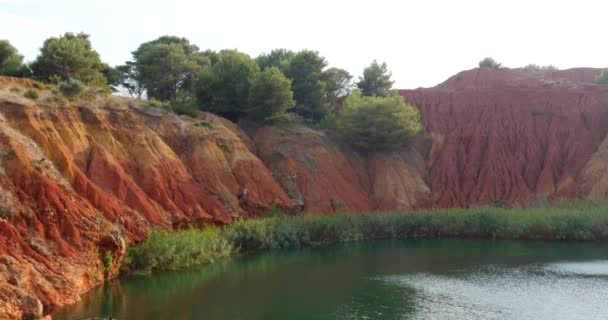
(603,79)
(71,87)
(184,103)
(378,123)
(270,96)
(489,63)
(537,68)
(31,94)
(39,85)
(164,250)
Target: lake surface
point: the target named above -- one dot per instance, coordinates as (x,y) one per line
(426,279)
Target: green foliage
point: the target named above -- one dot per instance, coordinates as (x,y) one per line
(603,78)
(223,88)
(499,203)
(11,62)
(305,70)
(338,83)
(107,260)
(172,250)
(376,80)
(163,67)
(70,56)
(378,123)
(165,250)
(39,85)
(154,103)
(270,95)
(204,124)
(184,103)
(538,68)
(71,87)
(279,58)
(489,63)
(31,94)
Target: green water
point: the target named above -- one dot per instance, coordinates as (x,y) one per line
(430,279)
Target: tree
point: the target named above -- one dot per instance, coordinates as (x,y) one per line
(11,62)
(279,58)
(69,56)
(305,70)
(376,80)
(338,84)
(489,63)
(223,88)
(270,96)
(126,80)
(373,123)
(603,79)
(165,65)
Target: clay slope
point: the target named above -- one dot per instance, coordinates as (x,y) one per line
(326,176)
(77,180)
(510,135)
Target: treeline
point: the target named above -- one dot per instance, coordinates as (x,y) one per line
(276,87)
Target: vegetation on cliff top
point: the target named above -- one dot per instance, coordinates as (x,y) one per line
(174,250)
(280,86)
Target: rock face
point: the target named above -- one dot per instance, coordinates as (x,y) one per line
(78,180)
(511,135)
(81,180)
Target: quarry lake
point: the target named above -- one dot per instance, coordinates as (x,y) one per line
(426,279)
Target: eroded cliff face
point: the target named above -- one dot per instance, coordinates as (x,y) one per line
(511,135)
(80,179)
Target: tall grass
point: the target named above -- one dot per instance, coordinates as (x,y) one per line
(176,250)
(172,250)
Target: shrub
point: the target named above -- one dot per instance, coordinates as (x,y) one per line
(603,78)
(107,261)
(538,68)
(15,90)
(489,63)
(184,103)
(157,104)
(204,124)
(31,94)
(71,87)
(39,85)
(270,95)
(378,123)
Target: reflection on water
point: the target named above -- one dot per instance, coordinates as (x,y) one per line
(431,279)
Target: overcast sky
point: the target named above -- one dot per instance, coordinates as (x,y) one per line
(424,41)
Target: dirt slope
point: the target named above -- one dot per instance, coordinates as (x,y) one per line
(510,135)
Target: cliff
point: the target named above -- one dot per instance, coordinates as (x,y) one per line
(79,179)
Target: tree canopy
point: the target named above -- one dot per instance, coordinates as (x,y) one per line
(165,65)
(69,56)
(270,96)
(305,70)
(338,83)
(376,80)
(11,62)
(373,123)
(489,62)
(279,58)
(223,88)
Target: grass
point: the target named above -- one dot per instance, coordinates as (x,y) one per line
(174,250)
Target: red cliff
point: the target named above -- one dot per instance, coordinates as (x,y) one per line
(79,179)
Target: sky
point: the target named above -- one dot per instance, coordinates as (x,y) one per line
(424,42)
